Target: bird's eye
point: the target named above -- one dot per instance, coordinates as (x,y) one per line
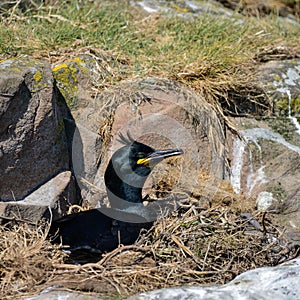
(140,155)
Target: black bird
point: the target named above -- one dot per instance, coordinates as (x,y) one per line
(103,229)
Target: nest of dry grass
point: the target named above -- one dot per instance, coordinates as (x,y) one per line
(195,245)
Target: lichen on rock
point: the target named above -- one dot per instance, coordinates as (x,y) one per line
(68,76)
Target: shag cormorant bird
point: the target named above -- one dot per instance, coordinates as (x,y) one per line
(103,229)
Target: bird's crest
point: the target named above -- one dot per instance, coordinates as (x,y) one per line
(126,140)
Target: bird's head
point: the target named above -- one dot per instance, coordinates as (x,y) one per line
(130,166)
(139,158)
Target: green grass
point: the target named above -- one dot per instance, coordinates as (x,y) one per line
(206,50)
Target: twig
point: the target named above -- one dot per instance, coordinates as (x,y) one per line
(13,11)
(205,256)
(185,249)
(121,249)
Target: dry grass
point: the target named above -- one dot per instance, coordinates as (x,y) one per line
(195,245)
(218,62)
(26,260)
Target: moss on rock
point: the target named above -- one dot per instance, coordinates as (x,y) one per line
(283,126)
(283,106)
(67,77)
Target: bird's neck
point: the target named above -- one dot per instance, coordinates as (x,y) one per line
(123,193)
(125,196)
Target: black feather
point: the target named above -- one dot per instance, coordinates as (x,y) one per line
(126,140)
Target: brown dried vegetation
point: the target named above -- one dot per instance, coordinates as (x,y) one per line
(202,242)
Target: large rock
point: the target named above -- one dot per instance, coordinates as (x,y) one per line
(160,113)
(277,283)
(33,145)
(50,201)
(269,172)
(282,84)
(265,164)
(53,294)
